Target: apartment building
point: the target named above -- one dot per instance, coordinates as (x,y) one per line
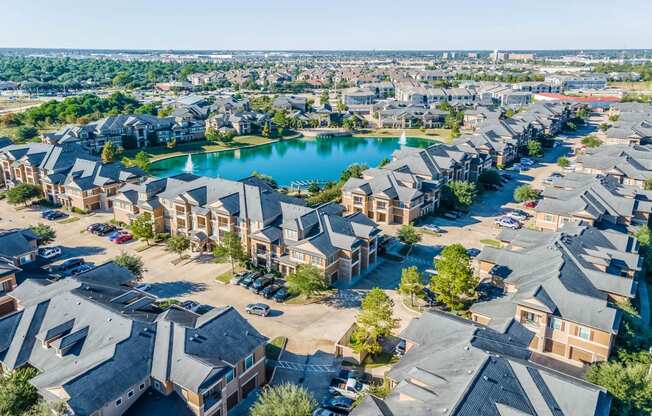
(409,186)
(593,199)
(277,231)
(628,165)
(98,347)
(629,129)
(17,247)
(453,366)
(358,96)
(578,82)
(129,132)
(431,96)
(398,115)
(559,294)
(68,174)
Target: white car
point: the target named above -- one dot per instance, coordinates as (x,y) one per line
(527,162)
(144,287)
(49,252)
(517,215)
(432,228)
(508,223)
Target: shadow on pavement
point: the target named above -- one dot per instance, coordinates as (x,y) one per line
(174,289)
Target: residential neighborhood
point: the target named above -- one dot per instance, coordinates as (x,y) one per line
(267,224)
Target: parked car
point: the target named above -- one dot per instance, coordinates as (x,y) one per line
(270,290)
(144,287)
(350,387)
(249,279)
(103,229)
(281,295)
(46,212)
(237,278)
(432,228)
(400,348)
(320,411)
(117,233)
(339,403)
(49,252)
(123,238)
(472,252)
(259,309)
(517,215)
(93,226)
(79,269)
(431,297)
(261,283)
(449,215)
(55,215)
(530,204)
(191,305)
(526,162)
(508,223)
(66,265)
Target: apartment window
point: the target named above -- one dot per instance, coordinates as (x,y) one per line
(141,387)
(130,394)
(583,332)
(357,200)
(316,261)
(118,402)
(529,317)
(556,323)
(291,235)
(547,218)
(229,376)
(296,255)
(249,362)
(381,205)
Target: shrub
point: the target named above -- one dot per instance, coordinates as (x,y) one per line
(160,237)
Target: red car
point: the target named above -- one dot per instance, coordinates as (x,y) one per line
(123,239)
(530,204)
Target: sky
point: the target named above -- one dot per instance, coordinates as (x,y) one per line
(327,25)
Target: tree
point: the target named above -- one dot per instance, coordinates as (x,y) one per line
(534,148)
(266,132)
(265,178)
(604,127)
(408,234)
(230,248)
(23,193)
(307,280)
(130,262)
(591,141)
(376,319)
(648,185)
(142,227)
(178,244)
(212,134)
(313,187)
(341,107)
(628,382)
(44,232)
(459,194)
(454,279)
(284,400)
(525,193)
(490,177)
(410,283)
(353,171)
(323,97)
(25,133)
(563,162)
(17,395)
(109,152)
(383,162)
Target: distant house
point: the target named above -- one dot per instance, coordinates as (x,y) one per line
(18,247)
(98,347)
(290,102)
(629,165)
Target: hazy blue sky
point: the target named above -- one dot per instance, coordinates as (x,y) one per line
(330,24)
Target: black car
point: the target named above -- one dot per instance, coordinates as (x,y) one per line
(94,226)
(338,404)
(431,297)
(249,279)
(400,348)
(104,229)
(281,295)
(55,215)
(270,290)
(261,283)
(66,265)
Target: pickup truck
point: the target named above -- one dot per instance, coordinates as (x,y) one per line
(348,388)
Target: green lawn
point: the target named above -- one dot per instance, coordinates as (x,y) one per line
(433,134)
(491,242)
(225,277)
(274,347)
(204,146)
(379,360)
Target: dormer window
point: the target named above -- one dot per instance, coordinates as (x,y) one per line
(291,235)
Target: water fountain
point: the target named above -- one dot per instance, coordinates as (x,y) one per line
(403,139)
(189,168)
